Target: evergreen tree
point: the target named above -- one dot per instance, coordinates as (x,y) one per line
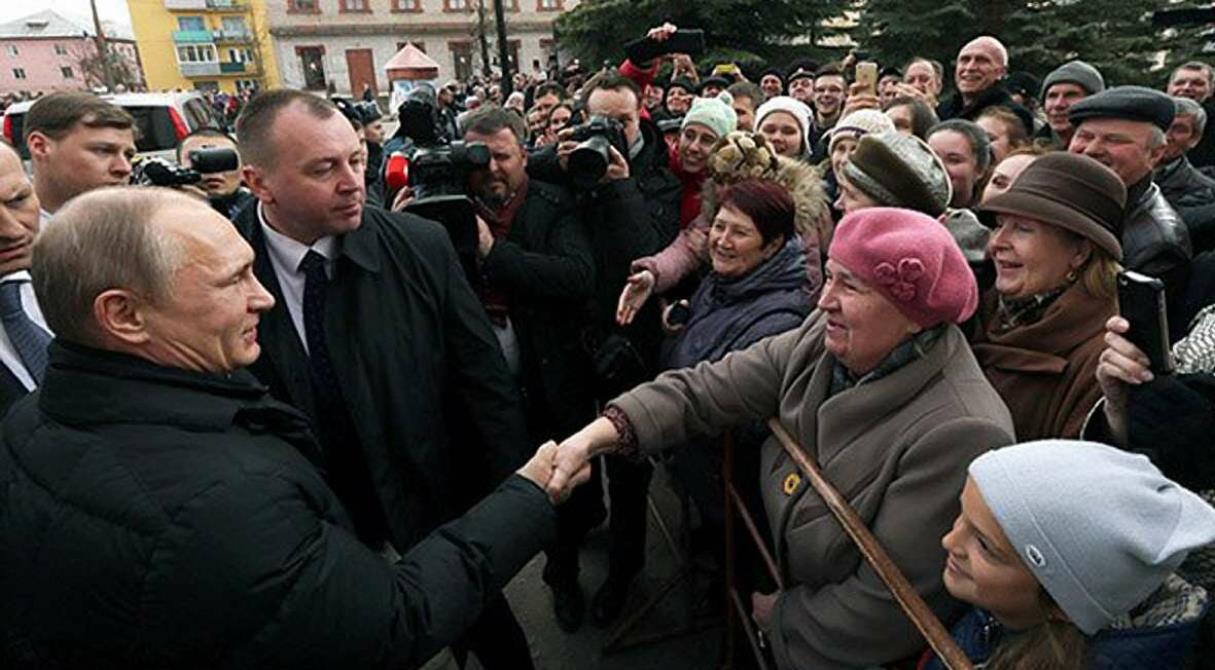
(750,32)
(1116,36)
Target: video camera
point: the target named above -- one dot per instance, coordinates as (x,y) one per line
(160,172)
(589,160)
(437,168)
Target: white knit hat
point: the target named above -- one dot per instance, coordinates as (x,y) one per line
(858,123)
(1100,528)
(797,108)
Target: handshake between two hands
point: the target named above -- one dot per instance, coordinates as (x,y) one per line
(559,469)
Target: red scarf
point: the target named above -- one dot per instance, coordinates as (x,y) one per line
(689,196)
(496,302)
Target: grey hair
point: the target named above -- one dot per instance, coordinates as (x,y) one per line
(1156,139)
(101,240)
(1187,107)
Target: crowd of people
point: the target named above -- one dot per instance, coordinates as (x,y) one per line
(306,413)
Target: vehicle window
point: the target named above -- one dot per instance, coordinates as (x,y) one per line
(155,128)
(198,115)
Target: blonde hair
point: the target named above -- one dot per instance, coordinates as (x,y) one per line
(1100,274)
(1050,645)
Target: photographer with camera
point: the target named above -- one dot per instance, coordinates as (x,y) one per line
(631,201)
(207,147)
(538,273)
(77,142)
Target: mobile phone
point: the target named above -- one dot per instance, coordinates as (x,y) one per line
(1141,301)
(725,70)
(867,75)
(679,313)
(644,50)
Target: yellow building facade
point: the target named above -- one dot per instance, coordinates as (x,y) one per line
(219,45)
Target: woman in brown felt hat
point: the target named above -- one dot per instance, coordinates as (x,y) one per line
(1039,331)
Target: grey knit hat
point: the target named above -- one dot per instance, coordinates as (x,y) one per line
(1100,528)
(900,170)
(1075,72)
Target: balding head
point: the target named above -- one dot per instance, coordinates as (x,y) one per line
(152,273)
(75,260)
(991,45)
(19,213)
(981,64)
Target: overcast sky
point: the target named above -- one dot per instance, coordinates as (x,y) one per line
(110,10)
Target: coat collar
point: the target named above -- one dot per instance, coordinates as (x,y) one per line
(360,245)
(87,386)
(849,414)
(1043,346)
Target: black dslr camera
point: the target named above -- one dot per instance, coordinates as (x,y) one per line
(589,160)
(160,172)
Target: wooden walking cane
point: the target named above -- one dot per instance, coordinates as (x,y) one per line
(913,605)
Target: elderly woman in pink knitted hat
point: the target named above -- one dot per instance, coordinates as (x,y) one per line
(881,389)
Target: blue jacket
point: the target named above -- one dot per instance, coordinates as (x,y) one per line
(1160,646)
(730,314)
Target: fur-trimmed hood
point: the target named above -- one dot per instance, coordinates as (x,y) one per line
(812,215)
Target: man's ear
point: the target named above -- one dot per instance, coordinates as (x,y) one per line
(119,315)
(255,180)
(39,145)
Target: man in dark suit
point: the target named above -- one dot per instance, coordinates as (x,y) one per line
(24,335)
(378,338)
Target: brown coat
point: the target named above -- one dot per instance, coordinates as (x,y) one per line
(897,448)
(1046,371)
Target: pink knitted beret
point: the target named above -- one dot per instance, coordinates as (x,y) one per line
(911,259)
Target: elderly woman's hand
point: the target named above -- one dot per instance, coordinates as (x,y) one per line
(636,292)
(1121,364)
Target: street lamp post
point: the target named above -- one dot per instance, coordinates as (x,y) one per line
(507,85)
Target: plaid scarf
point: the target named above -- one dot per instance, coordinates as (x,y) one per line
(1014,312)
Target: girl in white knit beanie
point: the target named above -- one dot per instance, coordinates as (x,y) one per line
(1069,552)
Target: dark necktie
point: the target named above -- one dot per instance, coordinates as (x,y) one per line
(28,338)
(315,282)
(348,469)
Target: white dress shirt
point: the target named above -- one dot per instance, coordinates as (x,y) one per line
(8,353)
(286,255)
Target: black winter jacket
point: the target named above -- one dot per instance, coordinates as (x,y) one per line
(545,269)
(1192,194)
(158,518)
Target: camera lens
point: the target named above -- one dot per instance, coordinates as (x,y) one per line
(589,161)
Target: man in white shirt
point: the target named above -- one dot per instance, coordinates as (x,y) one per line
(23,335)
(77,142)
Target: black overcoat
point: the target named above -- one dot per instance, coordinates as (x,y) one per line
(416,360)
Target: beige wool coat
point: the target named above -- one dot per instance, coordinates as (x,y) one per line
(897,448)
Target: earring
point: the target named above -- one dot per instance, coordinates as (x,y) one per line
(1071,276)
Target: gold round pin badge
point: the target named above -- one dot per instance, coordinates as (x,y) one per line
(791,483)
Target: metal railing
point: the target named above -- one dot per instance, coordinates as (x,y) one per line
(908,599)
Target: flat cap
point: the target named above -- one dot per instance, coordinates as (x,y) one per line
(1134,103)
(715,80)
(801,69)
